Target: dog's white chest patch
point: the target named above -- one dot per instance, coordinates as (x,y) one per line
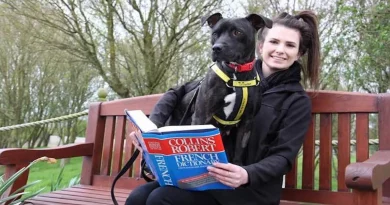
(230,100)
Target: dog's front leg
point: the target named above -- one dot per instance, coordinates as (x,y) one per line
(242,138)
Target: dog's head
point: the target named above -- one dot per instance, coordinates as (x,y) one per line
(233,40)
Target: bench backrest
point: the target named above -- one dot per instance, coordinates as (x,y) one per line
(318,174)
(342,125)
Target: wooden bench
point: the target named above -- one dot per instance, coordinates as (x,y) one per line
(341,115)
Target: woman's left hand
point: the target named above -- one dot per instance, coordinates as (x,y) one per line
(229,174)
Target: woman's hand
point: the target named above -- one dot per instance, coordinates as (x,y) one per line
(229,174)
(134,140)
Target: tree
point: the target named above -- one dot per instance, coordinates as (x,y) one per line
(134,45)
(369,46)
(36,82)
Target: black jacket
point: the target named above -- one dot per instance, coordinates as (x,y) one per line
(277,135)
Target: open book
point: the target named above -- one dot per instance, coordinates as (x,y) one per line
(179,155)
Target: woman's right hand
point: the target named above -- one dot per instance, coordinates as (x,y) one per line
(134,140)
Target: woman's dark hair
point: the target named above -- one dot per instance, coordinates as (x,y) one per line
(306,23)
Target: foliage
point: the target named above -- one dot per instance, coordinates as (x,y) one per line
(38,82)
(134,46)
(369,45)
(70,175)
(56,183)
(4,185)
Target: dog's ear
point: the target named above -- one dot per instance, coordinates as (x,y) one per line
(211,19)
(259,21)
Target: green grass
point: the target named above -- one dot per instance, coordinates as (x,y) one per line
(48,173)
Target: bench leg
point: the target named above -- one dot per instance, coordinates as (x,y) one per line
(368,197)
(19,182)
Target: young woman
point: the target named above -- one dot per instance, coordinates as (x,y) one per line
(280,125)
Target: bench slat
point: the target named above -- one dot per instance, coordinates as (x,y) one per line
(81,195)
(38,202)
(53,198)
(124,182)
(343,151)
(308,157)
(362,137)
(128,148)
(325,151)
(118,144)
(343,102)
(107,146)
(100,192)
(94,194)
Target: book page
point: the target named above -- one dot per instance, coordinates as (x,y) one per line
(185,128)
(140,120)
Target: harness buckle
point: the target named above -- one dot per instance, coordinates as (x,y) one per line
(229,86)
(257,81)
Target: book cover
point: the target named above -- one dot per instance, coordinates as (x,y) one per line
(179,155)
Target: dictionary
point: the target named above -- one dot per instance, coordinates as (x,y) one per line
(179,155)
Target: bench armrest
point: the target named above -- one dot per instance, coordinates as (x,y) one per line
(370,174)
(15,156)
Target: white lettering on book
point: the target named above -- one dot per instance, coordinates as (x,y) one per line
(196,160)
(185,145)
(154,146)
(162,166)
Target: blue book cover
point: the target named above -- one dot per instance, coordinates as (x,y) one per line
(179,155)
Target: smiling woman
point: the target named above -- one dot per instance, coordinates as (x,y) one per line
(279,49)
(290,38)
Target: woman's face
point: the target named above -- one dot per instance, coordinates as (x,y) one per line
(279,49)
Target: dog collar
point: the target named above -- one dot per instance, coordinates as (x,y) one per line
(242,67)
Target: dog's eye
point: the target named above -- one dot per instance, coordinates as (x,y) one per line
(237,33)
(214,35)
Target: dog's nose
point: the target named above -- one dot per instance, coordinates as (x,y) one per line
(217,48)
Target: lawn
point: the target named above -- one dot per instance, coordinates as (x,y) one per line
(48,174)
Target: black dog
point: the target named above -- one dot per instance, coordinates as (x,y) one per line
(229,95)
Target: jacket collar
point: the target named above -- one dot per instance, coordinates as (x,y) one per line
(289,87)
(281,81)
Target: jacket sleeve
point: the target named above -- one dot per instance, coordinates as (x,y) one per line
(168,102)
(290,139)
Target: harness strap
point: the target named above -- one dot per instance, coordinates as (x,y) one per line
(235,83)
(241,93)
